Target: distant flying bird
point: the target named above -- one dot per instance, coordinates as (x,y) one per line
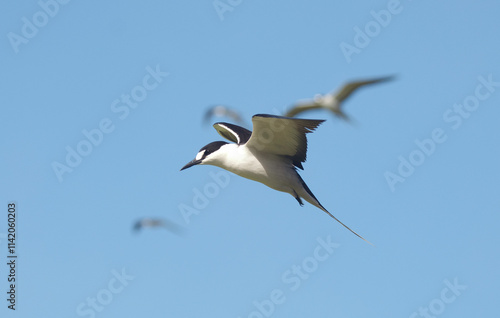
(270,154)
(156,223)
(222,111)
(333,101)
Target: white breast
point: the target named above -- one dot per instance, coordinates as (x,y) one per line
(276,172)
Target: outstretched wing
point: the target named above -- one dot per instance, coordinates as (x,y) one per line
(302,107)
(282,136)
(233,133)
(348,88)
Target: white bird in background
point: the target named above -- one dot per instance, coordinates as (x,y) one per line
(270,154)
(156,223)
(222,111)
(333,101)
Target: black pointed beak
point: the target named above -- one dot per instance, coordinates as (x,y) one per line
(191,163)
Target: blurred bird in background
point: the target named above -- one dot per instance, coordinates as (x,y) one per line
(156,223)
(222,111)
(333,101)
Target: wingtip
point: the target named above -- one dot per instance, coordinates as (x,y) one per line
(389,77)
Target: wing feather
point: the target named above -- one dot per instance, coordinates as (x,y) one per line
(233,133)
(302,107)
(347,89)
(282,136)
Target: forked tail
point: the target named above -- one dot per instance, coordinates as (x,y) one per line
(322,208)
(312,199)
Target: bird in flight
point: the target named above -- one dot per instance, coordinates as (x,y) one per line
(333,100)
(270,154)
(222,111)
(156,223)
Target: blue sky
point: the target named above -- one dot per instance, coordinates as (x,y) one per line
(127,85)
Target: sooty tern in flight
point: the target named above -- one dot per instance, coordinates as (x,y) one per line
(270,154)
(333,100)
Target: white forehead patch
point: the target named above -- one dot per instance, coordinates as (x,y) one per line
(200,154)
